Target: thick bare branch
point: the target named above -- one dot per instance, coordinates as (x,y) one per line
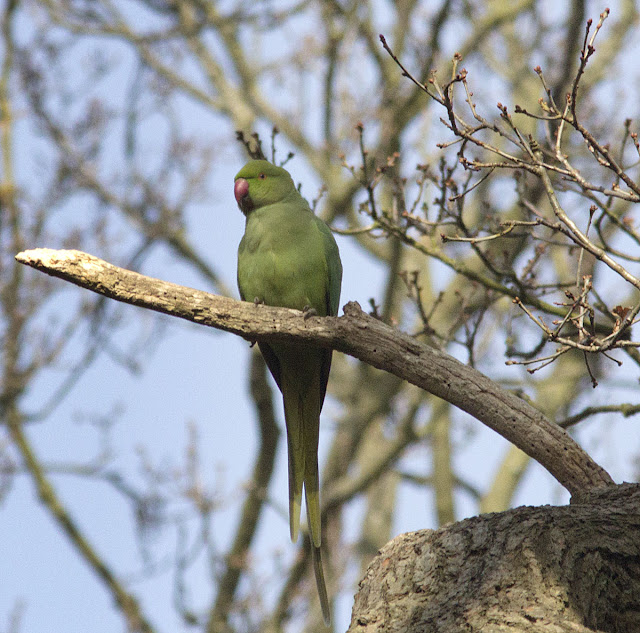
(356,334)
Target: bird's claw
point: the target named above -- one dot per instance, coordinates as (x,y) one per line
(309,312)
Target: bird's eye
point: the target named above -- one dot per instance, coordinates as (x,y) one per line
(262,176)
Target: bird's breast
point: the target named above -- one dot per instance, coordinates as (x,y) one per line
(281,266)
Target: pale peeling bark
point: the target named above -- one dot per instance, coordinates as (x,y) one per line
(550,569)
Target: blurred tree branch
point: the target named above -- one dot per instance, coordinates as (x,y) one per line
(128,604)
(236,559)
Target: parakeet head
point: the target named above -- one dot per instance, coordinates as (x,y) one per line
(260,183)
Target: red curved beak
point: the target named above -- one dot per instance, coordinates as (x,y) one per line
(241,192)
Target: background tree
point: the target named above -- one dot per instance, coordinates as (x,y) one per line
(514,240)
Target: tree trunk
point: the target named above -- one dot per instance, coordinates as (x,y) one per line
(570,568)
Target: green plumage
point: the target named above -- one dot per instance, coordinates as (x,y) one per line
(288,258)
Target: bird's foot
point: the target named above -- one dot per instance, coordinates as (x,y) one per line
(309,312)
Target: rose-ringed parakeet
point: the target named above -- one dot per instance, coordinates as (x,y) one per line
(288,258)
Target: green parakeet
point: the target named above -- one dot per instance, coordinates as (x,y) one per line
(288,258)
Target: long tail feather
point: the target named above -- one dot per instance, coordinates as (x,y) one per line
(294,415)
(316,556)
(312,492)
(302,376)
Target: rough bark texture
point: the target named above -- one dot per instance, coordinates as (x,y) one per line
(356,334)
(553,569)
